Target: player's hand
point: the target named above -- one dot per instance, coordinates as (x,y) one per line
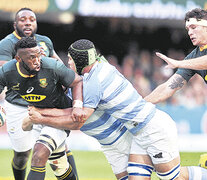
(27,124)
(171,63)
(2,116)
(42,51)
(34,116)
(78,115)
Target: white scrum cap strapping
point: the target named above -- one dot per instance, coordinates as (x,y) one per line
(200,22)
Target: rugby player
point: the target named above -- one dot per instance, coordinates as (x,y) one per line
(25,24)
(194,62)
(39,81)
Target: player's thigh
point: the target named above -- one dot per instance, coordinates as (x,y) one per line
(52,138)
(117,154)
(158,139)
(21,141)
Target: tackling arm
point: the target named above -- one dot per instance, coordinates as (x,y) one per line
(166,90)
(61,120)
(199,63)
(77,88)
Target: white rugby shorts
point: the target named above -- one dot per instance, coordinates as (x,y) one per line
(158,139)
(21,141)
(117,154)
(24,140)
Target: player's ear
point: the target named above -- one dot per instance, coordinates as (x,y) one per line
(15,25)
(18,58)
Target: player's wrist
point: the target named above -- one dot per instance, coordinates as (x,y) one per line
(77,104)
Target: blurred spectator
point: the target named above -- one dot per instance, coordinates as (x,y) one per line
(145,62)
(114,61)
(128,67)
(141,83)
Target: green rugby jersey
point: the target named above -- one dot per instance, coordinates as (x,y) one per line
(7,44)
(188,73)
(7,53)
(41,90)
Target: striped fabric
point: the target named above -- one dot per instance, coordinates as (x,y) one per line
(107,91)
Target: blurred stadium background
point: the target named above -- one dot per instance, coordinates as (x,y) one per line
(127,33)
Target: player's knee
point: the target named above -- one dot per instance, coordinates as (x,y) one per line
(47,141)
(58,162)
(136,169)
(40,155)
(20,159)
(172,174)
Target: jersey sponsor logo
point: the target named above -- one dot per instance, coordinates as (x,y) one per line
(16,87)
(30,89)
(43,83)
(206,78)
(33,97)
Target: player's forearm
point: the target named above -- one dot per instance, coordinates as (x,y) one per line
(199,63)
(2,62)
(54,111)
(61,122)
(160,94)
(77,88)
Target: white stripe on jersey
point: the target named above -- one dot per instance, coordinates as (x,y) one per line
(107,132)
(145,111)
(107,90)
(103,72)
(112,87)
(118,99)
(128,108)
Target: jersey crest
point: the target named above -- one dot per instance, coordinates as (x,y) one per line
(43,83)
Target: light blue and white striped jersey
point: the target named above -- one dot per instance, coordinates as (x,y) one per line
(105,89)
(105,128)
(102,126)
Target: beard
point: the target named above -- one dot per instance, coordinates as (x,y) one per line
(31,72)
(21,32)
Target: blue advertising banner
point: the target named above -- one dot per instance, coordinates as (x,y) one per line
(188,120)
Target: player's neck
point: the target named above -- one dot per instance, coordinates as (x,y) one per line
(88,68)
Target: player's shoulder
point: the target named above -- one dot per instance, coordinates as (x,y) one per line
(49,62)
(42,38)
(9,39)
(9,66)
(194,53)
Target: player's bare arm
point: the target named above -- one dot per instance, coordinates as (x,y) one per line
(166,90)
(77,93)
(2,62)
(199,63)
(58,118)
(56,56)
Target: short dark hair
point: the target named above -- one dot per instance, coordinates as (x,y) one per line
(197,13)
(22,9)
(25,42)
